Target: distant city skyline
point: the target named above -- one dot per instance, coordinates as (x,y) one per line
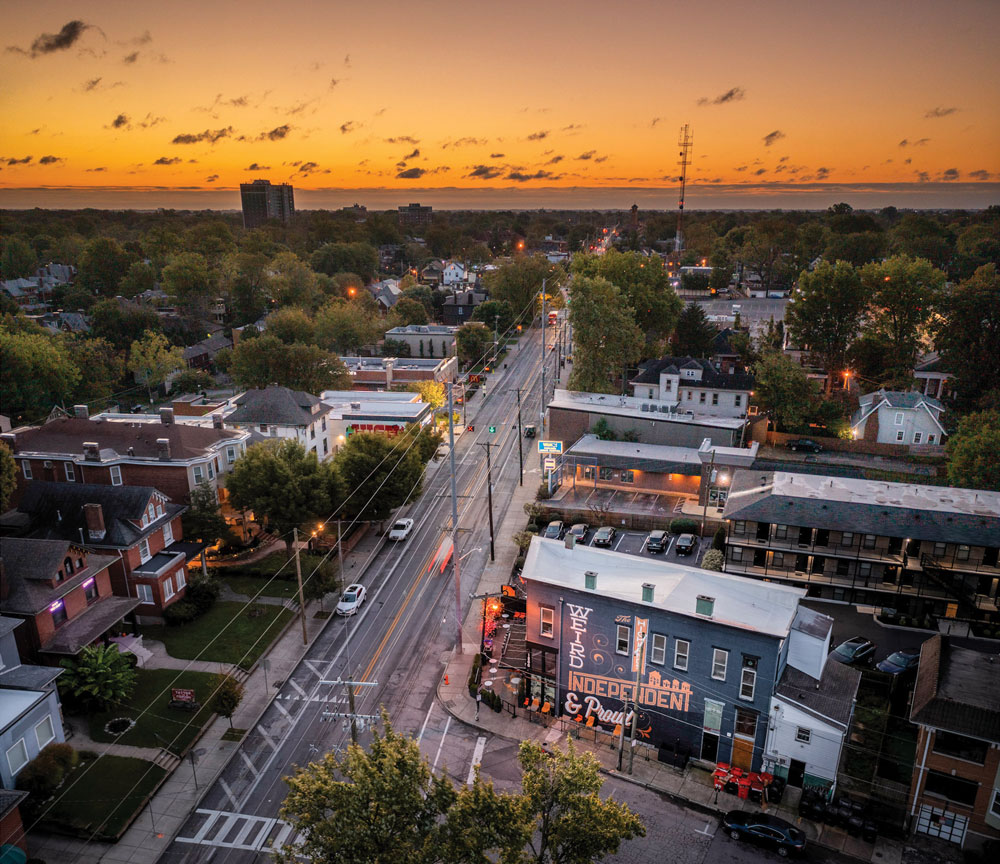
(534,102)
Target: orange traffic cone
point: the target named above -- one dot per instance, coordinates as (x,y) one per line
(446,679)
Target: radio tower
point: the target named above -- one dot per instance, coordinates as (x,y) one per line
(685,142)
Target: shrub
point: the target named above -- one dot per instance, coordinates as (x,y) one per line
(202,594)
(714,559)
(98,678)
(181,612)
(719,540)
(543,491)
(683,526)
(41,776)
(64,755)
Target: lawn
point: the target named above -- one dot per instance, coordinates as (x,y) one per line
(250,585)
(99,796)
(242,642)
(167,723)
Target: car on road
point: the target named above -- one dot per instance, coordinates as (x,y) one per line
(530,431)
(401,529)
(657,541)
(579,531)
(354,595)
(806,444)
(855,651)
(686,544)
(604,536)
(765,830)
(555,530)
(900,662)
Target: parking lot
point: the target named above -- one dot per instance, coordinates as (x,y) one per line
(619,501)
(634,543)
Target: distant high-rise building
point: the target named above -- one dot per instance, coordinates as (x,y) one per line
(416,214)
(263,201)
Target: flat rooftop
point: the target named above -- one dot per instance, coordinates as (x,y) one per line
(375,364)
(629,406)
(339,397)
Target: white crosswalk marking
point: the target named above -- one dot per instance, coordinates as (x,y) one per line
(228,830)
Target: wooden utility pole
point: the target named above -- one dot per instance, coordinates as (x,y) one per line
(298,578)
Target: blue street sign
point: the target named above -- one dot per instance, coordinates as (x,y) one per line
(550,446)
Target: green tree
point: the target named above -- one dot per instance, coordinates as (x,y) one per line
(519,281)
(825,312)
(473,341)
(714,559)
(345,327)
(245,277)
(141,276)
(188,278)
(382,473)
(972,452)
(191,381)
(395,348)
(782,389)
(291,325)
(902,294)
(98,678)
(103,264)
(8,476)
(917,235)
(152,359)
(407,311)
(968,337)
(495,314)
(320,582)
(605,335)
(17,258)
(122,324)
(36,372)
(292,281)
(103,364)
(333,258)
(719,539)
(283,484)
(694,336)
(227,697)
(203,520)
(266,360)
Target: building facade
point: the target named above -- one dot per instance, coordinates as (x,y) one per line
(415,215)
(893,417)
(920,550)
(263,201)
(281,413)
(426,340)
(695,384)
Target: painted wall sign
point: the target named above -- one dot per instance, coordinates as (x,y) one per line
(578,616)
(663,693)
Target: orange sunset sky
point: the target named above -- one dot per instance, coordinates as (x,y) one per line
(141,104)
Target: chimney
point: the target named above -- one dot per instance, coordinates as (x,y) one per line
(704,605)
(167,416)
(91,452)
(570,540)
(94,514)
(647,592)
(590,580)
(216,421)
(163,449)
(81,411)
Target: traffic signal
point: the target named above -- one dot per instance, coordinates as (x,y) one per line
(470,428)
(493,430)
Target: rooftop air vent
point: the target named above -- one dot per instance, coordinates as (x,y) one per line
(704,605)
(590,580)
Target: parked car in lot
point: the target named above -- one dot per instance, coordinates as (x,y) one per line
(555,530)
(686,544)
(605,536)
(657,541)
(579,531)
(805,444)
(855,651)
(350,602)
(900,662)
(765,830)
(401,529)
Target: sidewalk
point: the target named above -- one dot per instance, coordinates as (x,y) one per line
(162,817)
(690,788)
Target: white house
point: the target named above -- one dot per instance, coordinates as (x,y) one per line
(893,417)
(277,412)
(694,384)
(454,274)
(811,707)
(932,376)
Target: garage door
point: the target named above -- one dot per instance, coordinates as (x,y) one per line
(942,823)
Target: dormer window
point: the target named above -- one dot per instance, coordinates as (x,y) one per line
(68,567)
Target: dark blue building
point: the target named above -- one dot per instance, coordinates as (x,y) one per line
(706,648)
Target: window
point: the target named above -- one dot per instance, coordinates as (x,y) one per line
(168,588)
(918,437)
(681,650)
(26,469)
(720,659)
(701,397)
(865,569)
(68,566)
(689,395)
(847,539)
(715,398)
(739,527)
(939,549)
(70,469)
(777,559)
(326,447)
(168,534)
(899,436)
(747,684)
(960,747)
(621,645)
(588,472)
(17,756)
(263,428)
(607,473)
(869,541)
(930,438)
(843,565)
(780,532)
(746,723)
(230,455)
(44,733)
(898,421)
(628,476)
(995,803)
(181,579)
(58,611)
(735,553)
(144,592)
(963,553)
(116,475)
(738,400)
(199,474)
(952,788)
(90,591)
(668,385)
(144,555)
(547,614)
(658,654)
(322,424)
(211,472)
(803,735)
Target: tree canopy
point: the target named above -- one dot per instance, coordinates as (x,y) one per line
(605,335)
(972,452)
(265,360)
(382,473)
(694,336)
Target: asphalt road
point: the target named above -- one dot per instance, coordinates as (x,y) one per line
(400,639)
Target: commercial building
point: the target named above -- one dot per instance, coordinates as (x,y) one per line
(382,373)
(426,340)
(693,383)
(704,650)
(415,215)
(920,550)
(359,411)
(263,201)
(955,792)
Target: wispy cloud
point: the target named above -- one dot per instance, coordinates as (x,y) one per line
(413,154)
(485,172)
(822,173)
(99,170)
(733,94)
(411,174)
(538,136)
(920,142)
(209,135)
(253,166)
(771,137)
(555,160)
(654,121)
(934,113)
(496,155)
(50,43)
(402,139)
(13,160)
(334,82)
(130,58)
(50,160)
(981,174)
(168,160)
(347,127)
(120,122)
(586,157)
(212,178)
(949,175)
(275,134)
(521,177)
(467,141)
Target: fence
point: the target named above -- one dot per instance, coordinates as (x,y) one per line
(849,445)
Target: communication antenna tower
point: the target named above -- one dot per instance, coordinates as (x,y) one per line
(684,143)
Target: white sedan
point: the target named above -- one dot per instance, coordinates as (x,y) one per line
(401,529)
(351,602)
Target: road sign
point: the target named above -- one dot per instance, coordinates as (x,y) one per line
(550,463)
(493,430)
(550,446)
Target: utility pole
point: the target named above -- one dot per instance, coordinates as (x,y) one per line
(640,650)
(327,716)
(340,551)
(541,408)
(520,451)
(298,578)
(704,509)
(489,494)
(454,514)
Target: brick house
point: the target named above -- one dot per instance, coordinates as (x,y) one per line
(169,456)
(62,592)
(955,792)
(137,524)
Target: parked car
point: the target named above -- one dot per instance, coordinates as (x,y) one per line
(686,544)
(401,529)
(765,830)
(900,662)
(605,536)
(579,531)
(854,651)
(555,530)
(657,541)
(530,431)
(350,602)
(806,444)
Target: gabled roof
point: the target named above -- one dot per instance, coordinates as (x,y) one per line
(931,362)
(29,565)
(278,406)
(710,377)
(897,400)
(212,345)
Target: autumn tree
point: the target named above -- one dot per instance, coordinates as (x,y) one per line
(122,324)
(291,325)
(102,367)
(152,359)
(36,372)
(605,335)
(431,392)
(227,697)
(972,452)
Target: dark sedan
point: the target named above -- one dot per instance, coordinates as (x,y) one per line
(855,652)
(806,444)
(686,544)
(555,530)
(657,541)
(579,531)
(765,830)
(604,536)
(900,663)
